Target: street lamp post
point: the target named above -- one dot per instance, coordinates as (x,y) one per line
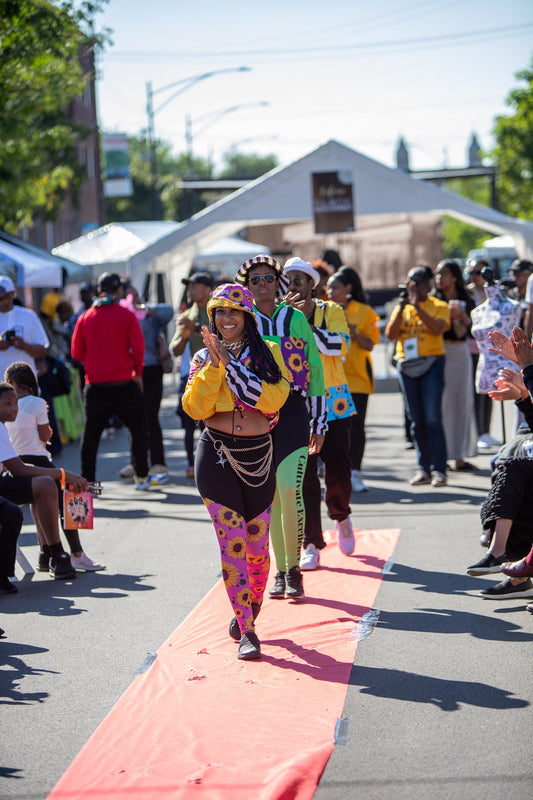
(209,119)
(184,84)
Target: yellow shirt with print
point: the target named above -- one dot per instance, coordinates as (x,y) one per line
(358,361)
(414,328)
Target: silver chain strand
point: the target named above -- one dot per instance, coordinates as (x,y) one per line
(264,462)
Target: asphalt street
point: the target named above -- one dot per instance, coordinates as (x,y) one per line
(438,704)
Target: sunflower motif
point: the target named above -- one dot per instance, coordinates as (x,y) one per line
(255,560)
(236,548)
(244,598)
(228,517)
(250,623)
(221,532)
(230,574)
(256,529)
(328,393)
(236,295)
(340,406)
(238,612)
(295,363)
(287,344)
(299,344)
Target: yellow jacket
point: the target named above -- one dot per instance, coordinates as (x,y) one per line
(212,389)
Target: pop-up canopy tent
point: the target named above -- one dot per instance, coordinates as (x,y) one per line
(284,195)
(33,267)
(225,256)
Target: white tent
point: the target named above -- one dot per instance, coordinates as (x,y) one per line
(285,195)
(226,255)
(31,270)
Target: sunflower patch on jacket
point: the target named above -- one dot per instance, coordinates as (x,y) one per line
(289,328)
(332,336)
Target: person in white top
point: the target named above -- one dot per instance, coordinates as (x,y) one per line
(529,300)
(29,434)
(22,336)
(22,483)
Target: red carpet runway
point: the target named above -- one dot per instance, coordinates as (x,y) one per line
(201,724)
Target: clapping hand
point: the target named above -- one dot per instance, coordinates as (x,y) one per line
(522,349)
(509,386)
(215,348)
(502,345)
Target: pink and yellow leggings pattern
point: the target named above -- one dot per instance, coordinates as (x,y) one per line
(244,556)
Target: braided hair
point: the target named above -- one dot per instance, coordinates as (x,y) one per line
(22,374)
(262,362)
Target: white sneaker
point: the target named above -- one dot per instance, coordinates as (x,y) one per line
(85,563)
(159,479)
(345,536)
(127,471)
(486,441)
(310,558)
(143,484)
(357,483)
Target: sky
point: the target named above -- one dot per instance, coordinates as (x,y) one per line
(362,73)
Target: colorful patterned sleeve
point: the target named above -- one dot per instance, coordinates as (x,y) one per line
(247,387)
(335,339)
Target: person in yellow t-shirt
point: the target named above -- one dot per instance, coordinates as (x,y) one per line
(345,288)
(417,324)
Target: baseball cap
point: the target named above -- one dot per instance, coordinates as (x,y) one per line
(200,277)
(6,284)
(521,265)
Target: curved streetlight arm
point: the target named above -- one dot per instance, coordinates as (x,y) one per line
(186,83)
(214,115)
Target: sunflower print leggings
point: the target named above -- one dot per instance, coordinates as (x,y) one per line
(241,518)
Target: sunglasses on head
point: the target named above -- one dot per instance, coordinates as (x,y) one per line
(256,279)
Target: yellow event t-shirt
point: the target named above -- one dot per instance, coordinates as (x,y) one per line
(414,328)
(358,362)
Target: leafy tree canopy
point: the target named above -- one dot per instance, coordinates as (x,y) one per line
(40,74)
(514,149)
(246,166)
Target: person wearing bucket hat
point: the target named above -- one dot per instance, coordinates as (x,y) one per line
(236,385)
(303,418)
(330,330)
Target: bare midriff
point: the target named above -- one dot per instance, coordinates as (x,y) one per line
(239,423)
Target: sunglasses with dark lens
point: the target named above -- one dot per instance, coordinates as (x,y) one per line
(257,279)
(476,272)
(297,281)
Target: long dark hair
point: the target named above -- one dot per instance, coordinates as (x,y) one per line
(457,273)
(349,277)
(263,363)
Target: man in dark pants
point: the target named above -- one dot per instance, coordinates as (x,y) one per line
(108,341)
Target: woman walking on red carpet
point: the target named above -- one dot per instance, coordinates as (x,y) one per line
(237,385)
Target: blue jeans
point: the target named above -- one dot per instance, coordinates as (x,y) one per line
(423,398)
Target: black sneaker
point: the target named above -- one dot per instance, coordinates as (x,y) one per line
(488,564)
(294,586)
(249,647)
(61,568)
(505,589)
(44,562)
(6,587)
(278,590)
(234,630)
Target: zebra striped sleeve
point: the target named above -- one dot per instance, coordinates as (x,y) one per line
(243,383)
(318,413)
(330,343)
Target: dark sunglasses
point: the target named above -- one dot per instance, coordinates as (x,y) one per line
(476,272)
(257,279)
(297,281)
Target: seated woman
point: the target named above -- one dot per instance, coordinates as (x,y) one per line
(237,385)
(507,510)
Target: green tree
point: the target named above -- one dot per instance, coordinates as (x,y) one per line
(246,166)
(514,149)
(459,237)
(176,203)
(40,74)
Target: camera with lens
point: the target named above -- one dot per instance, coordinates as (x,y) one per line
(403,293)
(10,335)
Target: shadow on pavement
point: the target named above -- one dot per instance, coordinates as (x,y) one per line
(448,695)
(14,670)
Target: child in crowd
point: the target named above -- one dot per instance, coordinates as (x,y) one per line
(29,434)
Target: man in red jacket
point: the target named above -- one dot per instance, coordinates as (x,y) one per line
(108,341)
